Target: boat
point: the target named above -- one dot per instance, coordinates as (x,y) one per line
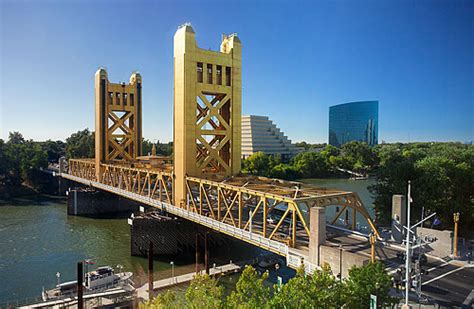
(100,279)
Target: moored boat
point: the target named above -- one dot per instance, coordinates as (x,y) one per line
(100,279)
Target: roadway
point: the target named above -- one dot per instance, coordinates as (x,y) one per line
(447,283)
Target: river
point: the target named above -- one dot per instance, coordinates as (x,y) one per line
(38,239)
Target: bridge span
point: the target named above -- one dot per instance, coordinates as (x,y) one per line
(269,213)
(202,181)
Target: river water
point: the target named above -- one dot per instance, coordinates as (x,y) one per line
(38,239)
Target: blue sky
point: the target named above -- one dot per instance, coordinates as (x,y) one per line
(299,58)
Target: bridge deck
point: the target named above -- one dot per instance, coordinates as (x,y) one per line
(269,213)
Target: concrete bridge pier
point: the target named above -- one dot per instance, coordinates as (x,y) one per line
(169,235)
(317,237)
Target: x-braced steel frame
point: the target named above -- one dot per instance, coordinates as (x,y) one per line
(153,183)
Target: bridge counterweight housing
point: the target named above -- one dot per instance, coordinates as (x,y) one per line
(207,109)
(118,122)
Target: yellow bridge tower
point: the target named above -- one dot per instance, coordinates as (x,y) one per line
(207,109)
(118,122)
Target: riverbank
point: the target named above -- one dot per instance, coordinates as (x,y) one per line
(11,192)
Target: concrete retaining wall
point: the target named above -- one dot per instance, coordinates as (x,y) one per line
(331,255)
(443,246)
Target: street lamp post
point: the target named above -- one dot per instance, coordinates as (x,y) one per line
(408,255)
(456,221)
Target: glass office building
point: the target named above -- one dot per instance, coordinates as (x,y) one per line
(355,121)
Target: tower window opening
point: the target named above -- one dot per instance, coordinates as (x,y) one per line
(117,94)
(228,76)
(125,99)
(209,73)
(219,75)
(132,101)
(199,72)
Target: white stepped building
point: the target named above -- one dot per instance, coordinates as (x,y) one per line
(259,133)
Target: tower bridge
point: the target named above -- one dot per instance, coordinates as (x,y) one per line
(202,181)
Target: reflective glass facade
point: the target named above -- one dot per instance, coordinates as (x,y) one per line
(355,121)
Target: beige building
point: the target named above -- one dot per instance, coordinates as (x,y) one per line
(259,133)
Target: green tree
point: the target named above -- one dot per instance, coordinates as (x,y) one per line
(358,156)
(250,291)
(284,171)
(370,279)
(5,165)
(15,138)
(80,145)
(258,163)
(204,292)
(318,290)
(441,173)
(23,161)
(311,165)
(166,300)
(146,146)
(54,149)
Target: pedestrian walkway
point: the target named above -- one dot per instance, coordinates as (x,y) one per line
(142,292)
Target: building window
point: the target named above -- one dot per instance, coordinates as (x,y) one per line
(117,94)
(132,99)
(125,99)
(209,73)
(199,72)
(219,75)
(228,76)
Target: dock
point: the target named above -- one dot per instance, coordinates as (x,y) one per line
(142,292)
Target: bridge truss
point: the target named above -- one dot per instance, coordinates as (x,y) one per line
(276,209)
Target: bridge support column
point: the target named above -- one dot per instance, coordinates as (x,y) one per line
(399,219)
(317,237)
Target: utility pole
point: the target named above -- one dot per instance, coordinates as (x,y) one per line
(408,253)
(410,247)
(80,288)
(456,221)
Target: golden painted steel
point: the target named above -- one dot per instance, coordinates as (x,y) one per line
(204,175)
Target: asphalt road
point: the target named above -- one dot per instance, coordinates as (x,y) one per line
(447,284)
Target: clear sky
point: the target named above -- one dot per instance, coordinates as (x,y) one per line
(299,58)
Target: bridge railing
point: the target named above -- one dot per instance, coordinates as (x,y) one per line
(153,183)
(83,168)
(272,216)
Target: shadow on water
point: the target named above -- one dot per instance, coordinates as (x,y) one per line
(32,200)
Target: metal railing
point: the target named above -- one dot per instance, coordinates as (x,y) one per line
(294,260)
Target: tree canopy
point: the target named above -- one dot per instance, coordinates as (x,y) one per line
(318,290)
